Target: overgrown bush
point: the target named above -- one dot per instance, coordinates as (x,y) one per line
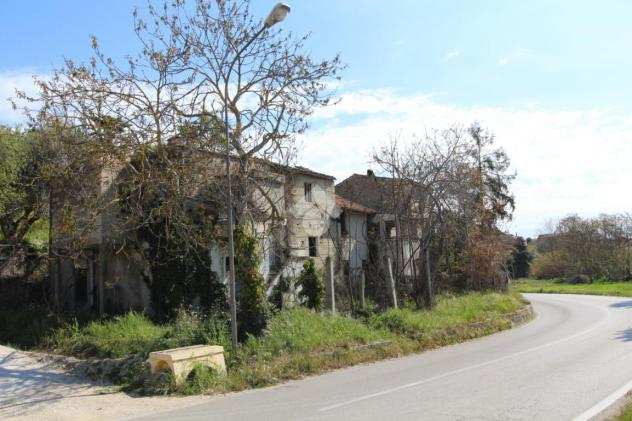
(252,305)
(168,218)
(312,291)
(184,281)
(483,261)
(552,265)
(25,327)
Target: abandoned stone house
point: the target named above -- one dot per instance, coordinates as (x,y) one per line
(316,223)
(392,237)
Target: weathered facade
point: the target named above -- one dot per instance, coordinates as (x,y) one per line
(390,234)
(113,281)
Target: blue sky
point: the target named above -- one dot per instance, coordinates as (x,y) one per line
(556,52)
(551,78)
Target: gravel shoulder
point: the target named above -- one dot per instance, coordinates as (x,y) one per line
(35,387)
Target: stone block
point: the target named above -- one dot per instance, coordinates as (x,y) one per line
(182,360)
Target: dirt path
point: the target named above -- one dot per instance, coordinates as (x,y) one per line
(35,388)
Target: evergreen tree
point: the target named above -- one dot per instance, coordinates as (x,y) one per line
(312,287)
(520,259)
(252,307)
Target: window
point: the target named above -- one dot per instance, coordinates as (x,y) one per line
(343,224)
(227,264)
(308,191)
(389,228)
(313,246)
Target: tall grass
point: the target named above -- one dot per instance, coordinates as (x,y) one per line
(450,312)
(300,330)
(296,342)
(135,334)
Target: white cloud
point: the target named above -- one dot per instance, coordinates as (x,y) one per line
(451,55)
(9,83)
(567,161)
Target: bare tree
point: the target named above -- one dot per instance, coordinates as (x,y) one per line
(448,191)
(195,57)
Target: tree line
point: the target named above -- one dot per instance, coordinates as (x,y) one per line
(584,249)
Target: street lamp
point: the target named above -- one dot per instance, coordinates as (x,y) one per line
(277,14)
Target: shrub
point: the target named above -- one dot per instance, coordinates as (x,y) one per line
(484,259)
(183,281)
(26,326)
(312,287)
(552,265)
(252,305)
(279,290)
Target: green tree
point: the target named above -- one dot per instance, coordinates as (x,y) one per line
(23,189)
(520,260)
(312,287)
(252,307)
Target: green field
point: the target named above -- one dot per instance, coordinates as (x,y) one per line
(617,289)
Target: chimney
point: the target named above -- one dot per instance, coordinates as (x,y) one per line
(370,173)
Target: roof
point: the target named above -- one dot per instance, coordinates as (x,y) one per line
(293,169)
(311,173)
(369,191)
(352,206)
(283,168)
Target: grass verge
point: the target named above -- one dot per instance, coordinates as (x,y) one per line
(297,342)
(626,413)
(616,289)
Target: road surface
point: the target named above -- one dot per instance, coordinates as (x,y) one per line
(574,359)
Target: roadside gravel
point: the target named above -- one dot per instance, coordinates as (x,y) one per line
(35,387)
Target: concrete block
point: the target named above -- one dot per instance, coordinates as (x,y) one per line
(182,360)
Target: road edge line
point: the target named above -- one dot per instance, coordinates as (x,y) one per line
(605,403)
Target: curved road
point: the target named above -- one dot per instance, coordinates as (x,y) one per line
(573,360)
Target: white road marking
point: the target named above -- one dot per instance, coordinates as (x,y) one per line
(473,367)
(605,403)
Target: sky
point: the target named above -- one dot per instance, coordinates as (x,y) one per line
(551,79)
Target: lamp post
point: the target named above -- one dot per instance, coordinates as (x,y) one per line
(277,14)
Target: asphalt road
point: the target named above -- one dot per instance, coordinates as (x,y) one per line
(574,359)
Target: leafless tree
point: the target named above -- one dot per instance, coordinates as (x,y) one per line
(448,191)
(165,102)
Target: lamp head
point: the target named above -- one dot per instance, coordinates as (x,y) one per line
(278,14)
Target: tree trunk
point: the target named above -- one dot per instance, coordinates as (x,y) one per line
(362,289)
(429,292)
(331,292)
